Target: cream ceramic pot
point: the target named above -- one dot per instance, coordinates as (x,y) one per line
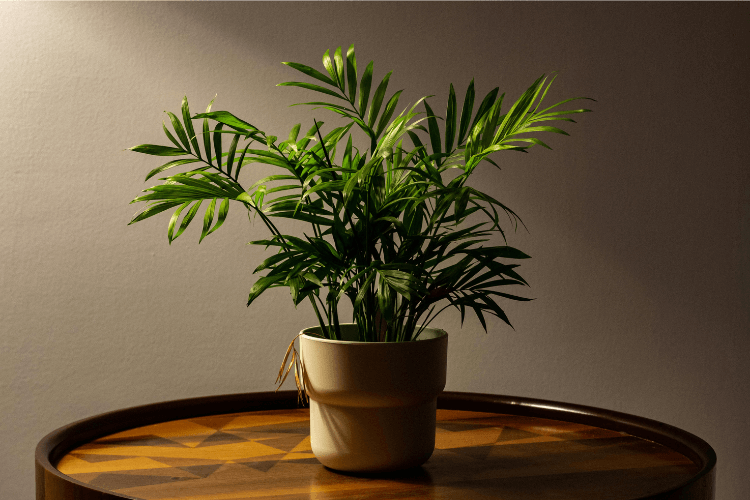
(373,404)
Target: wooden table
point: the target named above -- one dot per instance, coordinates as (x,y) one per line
(256,446)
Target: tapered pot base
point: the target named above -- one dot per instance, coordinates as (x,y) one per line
(356,439)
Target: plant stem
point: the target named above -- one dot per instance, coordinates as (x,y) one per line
(317,313)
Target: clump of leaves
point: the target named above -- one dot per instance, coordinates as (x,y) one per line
(389,227)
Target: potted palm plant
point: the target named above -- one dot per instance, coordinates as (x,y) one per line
(395,228)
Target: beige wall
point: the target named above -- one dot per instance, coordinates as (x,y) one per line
(639,223)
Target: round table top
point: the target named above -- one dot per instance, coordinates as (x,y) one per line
(265,453)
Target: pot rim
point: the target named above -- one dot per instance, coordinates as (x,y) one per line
(304,334)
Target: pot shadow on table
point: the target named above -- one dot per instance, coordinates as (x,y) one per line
(416,475)
(610,468)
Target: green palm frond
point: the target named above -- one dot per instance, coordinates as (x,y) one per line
(389,230)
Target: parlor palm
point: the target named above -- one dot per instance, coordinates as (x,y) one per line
(391,230)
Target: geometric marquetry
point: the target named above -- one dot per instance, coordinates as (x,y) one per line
(266,454)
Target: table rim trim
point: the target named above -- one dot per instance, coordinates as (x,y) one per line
(61,441)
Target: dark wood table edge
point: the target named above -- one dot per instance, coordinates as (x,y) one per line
(51,484)
(701,486)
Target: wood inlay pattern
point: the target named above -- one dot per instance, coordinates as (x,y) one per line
(266,454)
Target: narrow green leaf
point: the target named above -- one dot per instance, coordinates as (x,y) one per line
(364,89)
(170,136)
(434,130)
(173,221)
(303,216)
(230,155)
(179,130)
(400,282)
(229,119)
(223,211)
(350,282)
(351,73)
(207,135)
(208,218)
(241,162)
(450,120)
(487,103)
(152,210)
(302,144)
(544,128)
(217,144)
(272,178)
(152,149)
(339,64)
(549,116)
(466,111)
(363,289)
(390,107)
(419,147)
(472,142)
(282,188)
(258,197)
(329,67)
(189,126)
(520,113)
(312,86)
(333,186)
(188,218)
(261,285)
(413,218)
(169,165)
(354,118)
(294,133)
(565,101)
(461,201)
(323,104)
(490,124)
(377,100)
(276,259)
(349,187)
(347,160)
(385,300)
(532,140)
(311,72)
(312,278)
